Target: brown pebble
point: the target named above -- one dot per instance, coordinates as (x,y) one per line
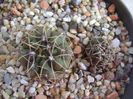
(77,50)
(113,95)
(15,11)
(111,8)
(114,17)
(44,4)
(40,97)
(19,7)
(3,58)
(87,14)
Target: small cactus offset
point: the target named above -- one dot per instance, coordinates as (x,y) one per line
(99,53)
(47,51)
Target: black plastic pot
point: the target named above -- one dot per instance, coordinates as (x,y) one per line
(125,12)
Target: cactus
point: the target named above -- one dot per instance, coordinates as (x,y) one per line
(99,53)
(47,51)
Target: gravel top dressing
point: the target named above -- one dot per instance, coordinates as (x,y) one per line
(63,49)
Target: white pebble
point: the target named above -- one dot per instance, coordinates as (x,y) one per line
(22,22)
(87,92)
(37,11)
(115,43)
(5,22)
(90,79)
(85,23)
(19,37)
(82,35)
(48,14)
(32,90)
(118,31)
(73,31)
(10,70)
(98,77)
(92,22)
(29,27)
(97,24)
(3,29)
(31,13)
(24,82)
(67,19)
(77,18)
(12,23)
(99,83)
(82,66)
(85,41)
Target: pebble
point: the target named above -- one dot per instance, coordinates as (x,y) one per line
(7,78)
(65,94)
(3,29)
(29,27)
(5,22)
(24,82)
(22,22)
(130,50)
(82,66)
(90,79)
(10,70)
(85,41)
(98,83)
(77,18)
(82,35)
(88,14)
(5,95)
(115,43)
(65,26)
(48,14)
(76,2)
(97,24)
(44,4)
(77,49)
(31,13)
(67,19)
(27,20)
(98,77)
(85,23)
(80,81)
(19,37)
(92,22)
(87,92)
(32,90)
(118,31)
(40,97)
(73,31)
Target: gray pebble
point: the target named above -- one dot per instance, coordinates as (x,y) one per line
(7,78)
(65,26)
(130,50)
(76,2)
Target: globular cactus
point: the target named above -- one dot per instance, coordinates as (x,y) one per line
(47,51)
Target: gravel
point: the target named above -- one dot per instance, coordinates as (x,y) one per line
(80,21)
